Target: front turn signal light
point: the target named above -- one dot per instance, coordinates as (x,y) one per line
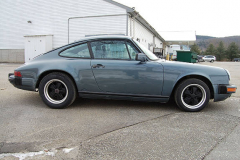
(231,90)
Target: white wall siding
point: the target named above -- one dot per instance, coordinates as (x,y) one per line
(158,42)
(142,33)
(47,17)
(80,27)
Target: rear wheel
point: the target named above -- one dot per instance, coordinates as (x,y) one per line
(192,95)
(57,90)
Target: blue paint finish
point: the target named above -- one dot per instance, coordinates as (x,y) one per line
(124,79)
(174,71)
(219,97)
(125,76)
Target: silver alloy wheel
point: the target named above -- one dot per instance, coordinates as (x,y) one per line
(55,93)
(200,98)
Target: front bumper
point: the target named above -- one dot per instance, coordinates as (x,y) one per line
(222,92)
(226,89)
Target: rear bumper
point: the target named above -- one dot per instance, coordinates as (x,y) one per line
(21,83)
(223,92)
(16,81)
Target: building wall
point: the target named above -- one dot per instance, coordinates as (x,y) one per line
(12,55)
(138,31)
(141,33)
(48,17)
(80,27)
(158,42)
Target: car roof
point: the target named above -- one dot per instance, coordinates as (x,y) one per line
(105,37)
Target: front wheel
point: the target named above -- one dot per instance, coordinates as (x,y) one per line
(57,90)
(192,95)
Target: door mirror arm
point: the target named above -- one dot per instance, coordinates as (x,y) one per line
(141,57)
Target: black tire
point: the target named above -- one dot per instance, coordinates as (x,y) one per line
(192,95)
(212,61)
(57,90)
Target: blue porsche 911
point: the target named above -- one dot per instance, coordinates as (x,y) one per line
(118,67)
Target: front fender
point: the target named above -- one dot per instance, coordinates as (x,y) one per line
(175,71)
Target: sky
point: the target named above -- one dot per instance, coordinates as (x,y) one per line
(217,18)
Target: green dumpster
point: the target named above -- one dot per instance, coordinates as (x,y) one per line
(187,56)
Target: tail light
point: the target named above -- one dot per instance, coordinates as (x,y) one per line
(17,74)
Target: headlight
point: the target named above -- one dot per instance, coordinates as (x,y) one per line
(229,76)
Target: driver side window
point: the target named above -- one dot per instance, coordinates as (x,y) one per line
(109,49)
(132,50)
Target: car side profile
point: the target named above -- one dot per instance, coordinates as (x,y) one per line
(118,67)
(209,58)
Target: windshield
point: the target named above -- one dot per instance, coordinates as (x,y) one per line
(146,51)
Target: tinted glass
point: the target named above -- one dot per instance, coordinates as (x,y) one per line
(79,51)
(132,50)
(109,49)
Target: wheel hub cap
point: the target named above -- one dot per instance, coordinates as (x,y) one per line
(56,90)
(193,96)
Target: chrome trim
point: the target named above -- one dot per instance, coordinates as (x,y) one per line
(202,100)
(47,95)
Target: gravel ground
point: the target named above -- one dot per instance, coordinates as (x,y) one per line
(107,129)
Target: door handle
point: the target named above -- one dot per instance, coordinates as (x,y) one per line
(98,66)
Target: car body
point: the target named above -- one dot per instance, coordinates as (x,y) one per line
(200,58)
(236,59)
(209,58)
(118,67)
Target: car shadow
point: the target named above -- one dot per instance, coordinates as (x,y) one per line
(35,100)
(105,104)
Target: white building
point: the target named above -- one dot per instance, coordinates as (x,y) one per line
(41,25)
(178,40)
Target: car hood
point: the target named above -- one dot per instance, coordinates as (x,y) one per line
(188,65)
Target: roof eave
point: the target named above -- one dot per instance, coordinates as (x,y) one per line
(128,9)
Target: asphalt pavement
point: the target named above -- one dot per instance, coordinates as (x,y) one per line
(108,129)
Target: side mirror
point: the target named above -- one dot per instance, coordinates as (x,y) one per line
(141,57)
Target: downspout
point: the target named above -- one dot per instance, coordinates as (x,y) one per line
(154,44)
(133,21)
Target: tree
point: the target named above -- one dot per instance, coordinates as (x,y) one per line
(195,48)
(220,51)
(232,51)
(210,50)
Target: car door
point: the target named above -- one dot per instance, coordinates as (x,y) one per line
(78,63)
(116,71)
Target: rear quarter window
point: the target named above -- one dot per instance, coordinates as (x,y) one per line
(79,51)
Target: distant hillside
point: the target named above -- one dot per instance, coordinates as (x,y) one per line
(204,41)
(203,37)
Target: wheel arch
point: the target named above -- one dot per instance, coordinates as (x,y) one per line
(200,77)
(42,75)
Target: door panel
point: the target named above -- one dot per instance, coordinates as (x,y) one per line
(130,77)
